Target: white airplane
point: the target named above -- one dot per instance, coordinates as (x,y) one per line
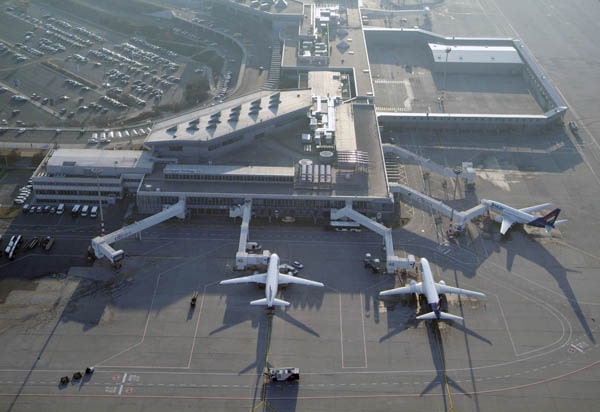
(272,279)
(431,290)
(508,216)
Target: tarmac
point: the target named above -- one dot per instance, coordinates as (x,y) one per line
(530,345)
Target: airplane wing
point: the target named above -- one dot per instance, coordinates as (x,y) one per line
(285,279)
(276,302)
(535,208)
(506,224)
(443,315)
(258,278)
(443,288)
(405,290)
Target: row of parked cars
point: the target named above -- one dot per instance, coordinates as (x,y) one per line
(23,195)
(76,210)
(59,210)
(84,210)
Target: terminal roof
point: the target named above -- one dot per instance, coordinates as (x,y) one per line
(234,115)
(94,158)
(474,54)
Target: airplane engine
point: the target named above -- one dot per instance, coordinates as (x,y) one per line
(413,286)
(442,282)
(498,219)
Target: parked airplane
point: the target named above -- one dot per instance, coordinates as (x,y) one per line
(508,216)
(431,290)
(272,279)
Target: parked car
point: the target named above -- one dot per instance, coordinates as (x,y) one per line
(47,243)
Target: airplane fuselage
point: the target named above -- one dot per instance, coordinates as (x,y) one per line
(429,289)
(506,211)
(272,283)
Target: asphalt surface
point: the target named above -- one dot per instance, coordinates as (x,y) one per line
(530,345)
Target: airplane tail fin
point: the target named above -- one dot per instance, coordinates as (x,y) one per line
(551,217)
(263,302)
(443,315)
(549,221)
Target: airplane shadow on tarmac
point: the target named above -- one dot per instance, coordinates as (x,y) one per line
(436,346)
(488,242)
(518,243)
(265,391)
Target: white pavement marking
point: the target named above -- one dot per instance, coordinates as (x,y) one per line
(507,328)
(122,382)
(576,348)
(341,331)
(362,318)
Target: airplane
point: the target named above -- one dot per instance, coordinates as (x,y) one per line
(431,290)
(508,216)
(272,279)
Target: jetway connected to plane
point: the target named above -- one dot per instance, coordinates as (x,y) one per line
(466,171)
(424,202)
(101,244)
(393,262)
(243,259)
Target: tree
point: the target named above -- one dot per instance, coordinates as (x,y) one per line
(13,156)
(37,158)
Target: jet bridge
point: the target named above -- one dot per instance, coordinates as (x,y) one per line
(424,202)
(393,262)
(243,259)
(466,171)
(101,244)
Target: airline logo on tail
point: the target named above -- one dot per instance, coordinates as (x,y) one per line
(549,221)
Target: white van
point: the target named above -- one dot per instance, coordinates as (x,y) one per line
(75,210)
(84,210)
(94,211)
(60,209)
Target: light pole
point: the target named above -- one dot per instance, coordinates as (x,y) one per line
(97,173)
(448,50)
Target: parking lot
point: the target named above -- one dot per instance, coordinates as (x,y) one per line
(70,75)
(71,234)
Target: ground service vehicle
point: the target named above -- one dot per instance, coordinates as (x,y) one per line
(253,247)
(11,249)
(373,264)
(194,299)
(284,374)
(573,126)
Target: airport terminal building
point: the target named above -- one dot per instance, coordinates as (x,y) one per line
(326,131)
(335,159)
